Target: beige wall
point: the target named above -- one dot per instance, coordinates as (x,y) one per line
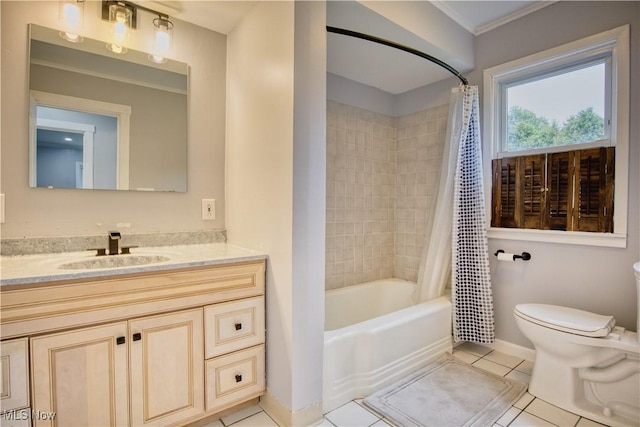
(34,212)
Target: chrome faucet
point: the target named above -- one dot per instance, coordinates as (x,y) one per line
(114,237)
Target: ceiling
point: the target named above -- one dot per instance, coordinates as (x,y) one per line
(379,66)
(483,15)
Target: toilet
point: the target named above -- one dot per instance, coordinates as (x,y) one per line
(584,363)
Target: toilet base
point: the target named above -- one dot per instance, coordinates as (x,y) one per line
(562,386)
(593,412)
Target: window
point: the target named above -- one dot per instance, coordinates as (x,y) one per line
(570,106)
(557,122)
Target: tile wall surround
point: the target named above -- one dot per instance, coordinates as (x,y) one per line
(43,245)
(382,177)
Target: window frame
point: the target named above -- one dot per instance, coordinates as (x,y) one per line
(613,44)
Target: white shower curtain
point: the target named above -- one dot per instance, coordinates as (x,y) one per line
(456,247)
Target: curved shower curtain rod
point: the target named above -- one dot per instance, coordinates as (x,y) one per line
(401,47)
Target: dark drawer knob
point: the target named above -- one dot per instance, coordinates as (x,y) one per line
(238,378)
(137,336)
(120,340)
(238,326)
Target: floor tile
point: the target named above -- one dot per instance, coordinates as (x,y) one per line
(524,401)
(586,422)
(351,415)
(261,419)
(216,423)
(519,376)
(381,423)
(526,367)
(525,419)
(490,366)
(465,357)
(325,423)
(503,359)
(508,416)
(551,413)
(473,348)
(242,413)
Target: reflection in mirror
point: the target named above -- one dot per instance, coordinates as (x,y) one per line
(104,121)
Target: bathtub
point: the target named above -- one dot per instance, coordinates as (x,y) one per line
(375,336)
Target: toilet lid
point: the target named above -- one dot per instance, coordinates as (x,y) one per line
(566,319)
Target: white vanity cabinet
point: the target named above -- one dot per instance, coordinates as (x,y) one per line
(234,349)
(83,375)
(14,382)
(156,348)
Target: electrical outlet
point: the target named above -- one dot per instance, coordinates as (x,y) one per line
(208,209)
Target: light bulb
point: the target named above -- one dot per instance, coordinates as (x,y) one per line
(120,30)
(162,39)
(71,13)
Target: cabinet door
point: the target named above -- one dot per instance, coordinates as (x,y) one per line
(167,364)
(81,377)
(14,377)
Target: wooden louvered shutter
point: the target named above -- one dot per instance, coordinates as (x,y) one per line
(593,190)
(505,202)
(532,187)
(559,190)
(570,191)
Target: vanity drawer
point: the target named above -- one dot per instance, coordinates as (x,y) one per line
(14,375)
(234,377)
(233,326)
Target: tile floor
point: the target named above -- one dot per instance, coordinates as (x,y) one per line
(528,411)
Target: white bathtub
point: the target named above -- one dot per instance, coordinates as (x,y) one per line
(375,336)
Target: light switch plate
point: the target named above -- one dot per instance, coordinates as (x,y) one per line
(208,209)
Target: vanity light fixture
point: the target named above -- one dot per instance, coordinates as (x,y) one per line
(123,16)
(71,13)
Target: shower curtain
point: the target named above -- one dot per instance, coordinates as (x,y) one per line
(456,247)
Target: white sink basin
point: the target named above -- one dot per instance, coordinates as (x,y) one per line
(113,262)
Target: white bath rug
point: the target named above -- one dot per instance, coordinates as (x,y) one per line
(447,392)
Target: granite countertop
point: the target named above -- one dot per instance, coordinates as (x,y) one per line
(25,269)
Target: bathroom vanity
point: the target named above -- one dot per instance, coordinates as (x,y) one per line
(164,344)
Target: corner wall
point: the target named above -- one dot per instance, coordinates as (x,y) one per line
(275,160)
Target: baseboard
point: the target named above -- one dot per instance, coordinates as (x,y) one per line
(284,416)
(515,350)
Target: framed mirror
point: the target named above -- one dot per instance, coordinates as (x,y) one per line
(104,121)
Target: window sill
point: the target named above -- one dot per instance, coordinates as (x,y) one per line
(610,240)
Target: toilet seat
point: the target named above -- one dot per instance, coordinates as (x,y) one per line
(566,319)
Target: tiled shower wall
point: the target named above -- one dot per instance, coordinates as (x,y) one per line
(382,175)
(420,141)
(360,195)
